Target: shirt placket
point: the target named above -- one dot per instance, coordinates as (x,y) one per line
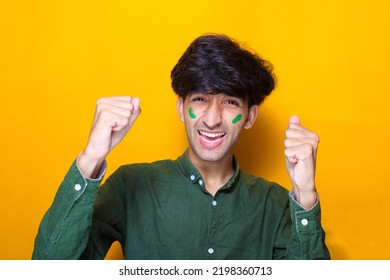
(213,220)
(211,242)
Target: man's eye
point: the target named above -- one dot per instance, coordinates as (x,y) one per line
(232,102)
(198,99)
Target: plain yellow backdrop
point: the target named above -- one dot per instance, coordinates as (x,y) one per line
(332,62)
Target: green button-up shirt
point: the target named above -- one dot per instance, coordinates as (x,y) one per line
(162,210)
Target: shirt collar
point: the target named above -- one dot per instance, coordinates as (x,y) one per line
(194,176)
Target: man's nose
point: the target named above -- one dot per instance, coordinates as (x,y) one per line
(212,117)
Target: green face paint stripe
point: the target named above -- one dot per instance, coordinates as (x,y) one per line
(191,113)
(237,118)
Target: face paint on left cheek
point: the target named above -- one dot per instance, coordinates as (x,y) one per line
(237,118)
(191,113)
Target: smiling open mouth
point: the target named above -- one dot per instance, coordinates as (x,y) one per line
(211,137)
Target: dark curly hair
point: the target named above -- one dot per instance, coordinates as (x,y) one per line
(215,63)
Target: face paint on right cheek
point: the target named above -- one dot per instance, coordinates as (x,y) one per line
(191,113)
(237,118)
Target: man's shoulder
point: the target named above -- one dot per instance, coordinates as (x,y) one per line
(134,175)
(257,183)
(155,166)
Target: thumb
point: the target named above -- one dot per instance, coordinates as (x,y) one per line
(294,119)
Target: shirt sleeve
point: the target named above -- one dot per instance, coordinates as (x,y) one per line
(308,237)
(64,230)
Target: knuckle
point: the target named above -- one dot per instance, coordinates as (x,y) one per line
(314,136)
(127,113)
(101,100)
(100,106)
(313,142)
(105,114)
(307,148)
(287,142)
(124,121)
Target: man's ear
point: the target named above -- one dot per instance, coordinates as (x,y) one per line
(252,115)
(179,107)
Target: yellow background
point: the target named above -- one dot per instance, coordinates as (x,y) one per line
(332,62)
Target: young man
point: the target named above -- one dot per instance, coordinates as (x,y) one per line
(200,206)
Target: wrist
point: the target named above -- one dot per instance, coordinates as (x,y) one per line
(306,199)
(89,165)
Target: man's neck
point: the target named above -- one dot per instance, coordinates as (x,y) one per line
(215,173)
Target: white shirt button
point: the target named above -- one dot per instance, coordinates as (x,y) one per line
(210,251)
(201,182)
(214,203)
(192,177)
(304,222)
(77,187)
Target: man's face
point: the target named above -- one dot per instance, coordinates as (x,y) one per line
(214,123)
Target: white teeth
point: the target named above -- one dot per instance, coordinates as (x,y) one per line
(212,134)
